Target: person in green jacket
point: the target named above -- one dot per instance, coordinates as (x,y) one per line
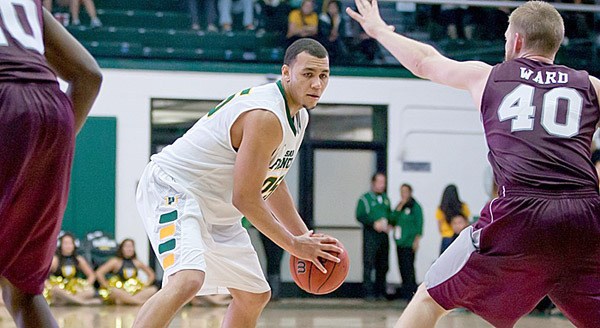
(373,212)
(407,219)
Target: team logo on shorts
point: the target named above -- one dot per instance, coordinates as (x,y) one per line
(171,200)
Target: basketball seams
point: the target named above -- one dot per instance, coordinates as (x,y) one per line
(312,265)
(329,274)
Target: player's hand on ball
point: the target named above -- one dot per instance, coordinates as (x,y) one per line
(311,246)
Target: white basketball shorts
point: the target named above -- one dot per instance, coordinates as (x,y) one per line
(183,240)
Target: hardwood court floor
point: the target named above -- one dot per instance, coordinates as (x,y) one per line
(292,313)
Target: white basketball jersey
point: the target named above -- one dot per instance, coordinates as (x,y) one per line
(203,159)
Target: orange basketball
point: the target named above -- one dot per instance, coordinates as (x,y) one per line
(308,277)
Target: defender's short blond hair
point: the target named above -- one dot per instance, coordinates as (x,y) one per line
(541,26)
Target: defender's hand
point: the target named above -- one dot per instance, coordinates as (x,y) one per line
(368,17)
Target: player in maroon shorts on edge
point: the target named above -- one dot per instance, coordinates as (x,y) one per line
(38,124)
(541,236)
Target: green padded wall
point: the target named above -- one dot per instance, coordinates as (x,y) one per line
(91,203)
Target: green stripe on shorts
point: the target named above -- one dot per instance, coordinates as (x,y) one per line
(168,245)
(168,217)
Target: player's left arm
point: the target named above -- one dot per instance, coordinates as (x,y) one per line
(282,206)
(74,64)
(421,59)
(147,270)
(90,275)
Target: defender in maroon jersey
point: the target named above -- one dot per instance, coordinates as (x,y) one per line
(541,236)
(38,123)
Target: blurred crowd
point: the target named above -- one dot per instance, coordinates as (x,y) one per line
(326,21)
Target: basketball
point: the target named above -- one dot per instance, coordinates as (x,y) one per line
(308,277)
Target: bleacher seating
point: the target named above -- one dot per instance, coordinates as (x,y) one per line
(160,29)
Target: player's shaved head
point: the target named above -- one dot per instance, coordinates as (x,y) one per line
(312,47)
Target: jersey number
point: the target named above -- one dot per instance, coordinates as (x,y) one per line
(9,12)
(518,106)
(228,99)
(269,186)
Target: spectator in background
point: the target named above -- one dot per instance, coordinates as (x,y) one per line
(578,24)
(66,284)
(407,219)
(227,7)
(74,9)
(210,10)
(303,22)
(596,161)
(332,29)
(458,21)
(373,212)
(273,15)
(125,287)
(450,206)
(367,46)
(458,223)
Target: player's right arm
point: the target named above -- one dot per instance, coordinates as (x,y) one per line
(257,134)
(421,59)
(74,64)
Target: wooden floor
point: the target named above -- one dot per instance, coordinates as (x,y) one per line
(286,313)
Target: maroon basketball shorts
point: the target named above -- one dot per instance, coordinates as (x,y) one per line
(526,245)
(36,150)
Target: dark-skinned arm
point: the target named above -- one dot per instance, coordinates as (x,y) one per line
(74,64)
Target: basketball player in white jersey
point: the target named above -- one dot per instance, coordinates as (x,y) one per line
(230,164)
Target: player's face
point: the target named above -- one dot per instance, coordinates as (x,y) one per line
(378,185)
(128,249)
(67,246)
(308,77)
(598,168)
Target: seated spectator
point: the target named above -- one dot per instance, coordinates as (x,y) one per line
(227,7)
(303,22)
(458,21)
(491,23)
(367,46)
(71,279)
(124,286)
(578,24)
(332,30)
(210,9)
(273,15)
(74,9)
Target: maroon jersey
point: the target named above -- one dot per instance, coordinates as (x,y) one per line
(539,120)
(21,42)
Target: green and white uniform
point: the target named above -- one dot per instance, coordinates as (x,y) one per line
(185,194)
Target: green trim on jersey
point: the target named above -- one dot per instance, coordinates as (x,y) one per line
(287,109)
